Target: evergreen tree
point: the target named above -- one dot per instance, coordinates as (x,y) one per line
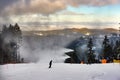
(115,49)
(90,55)
(1,51)
(117,53)
(107,49)
(10,39)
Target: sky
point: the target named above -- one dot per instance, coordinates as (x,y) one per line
(60,14)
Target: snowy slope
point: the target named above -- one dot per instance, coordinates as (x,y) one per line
(60,71)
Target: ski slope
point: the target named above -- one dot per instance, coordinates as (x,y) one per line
(60,71)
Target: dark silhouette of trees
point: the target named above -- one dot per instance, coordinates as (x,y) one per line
(117,50)
(107,50)
(10,39)
(73,57)
(90,54)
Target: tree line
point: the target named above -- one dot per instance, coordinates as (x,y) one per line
(110,51)
(10,39)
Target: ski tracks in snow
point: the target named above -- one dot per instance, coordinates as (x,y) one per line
(97,76)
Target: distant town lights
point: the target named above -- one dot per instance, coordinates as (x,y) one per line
(39,34)
(87,34)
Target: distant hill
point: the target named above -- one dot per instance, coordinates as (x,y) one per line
(72,31)
(110,30)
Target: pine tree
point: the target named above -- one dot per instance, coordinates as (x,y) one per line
(90,55)
(117,53)
(1,51)
(10,39)
(107,49)
(115,49)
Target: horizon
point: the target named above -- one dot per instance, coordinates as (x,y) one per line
(28,28)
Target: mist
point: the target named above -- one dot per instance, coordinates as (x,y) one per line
(42,49)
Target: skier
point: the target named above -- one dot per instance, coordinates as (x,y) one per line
(50,64)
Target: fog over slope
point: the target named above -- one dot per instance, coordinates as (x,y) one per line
(45,48)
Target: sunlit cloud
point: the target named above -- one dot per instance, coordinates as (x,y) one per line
(44,13)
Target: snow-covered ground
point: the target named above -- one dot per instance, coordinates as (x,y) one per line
(60,71)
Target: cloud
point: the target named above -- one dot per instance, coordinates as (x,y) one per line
(10,8)
(35,6)
(46,7)
(6,3)
(92,2)
(66,12)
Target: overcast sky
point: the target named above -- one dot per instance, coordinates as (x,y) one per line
(39,14)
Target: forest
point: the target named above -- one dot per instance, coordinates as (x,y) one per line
(10,39)
(107,51)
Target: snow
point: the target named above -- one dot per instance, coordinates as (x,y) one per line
(60,71)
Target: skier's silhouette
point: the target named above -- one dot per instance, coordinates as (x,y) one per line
(50,64)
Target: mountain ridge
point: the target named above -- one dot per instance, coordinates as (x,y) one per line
(73,30)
